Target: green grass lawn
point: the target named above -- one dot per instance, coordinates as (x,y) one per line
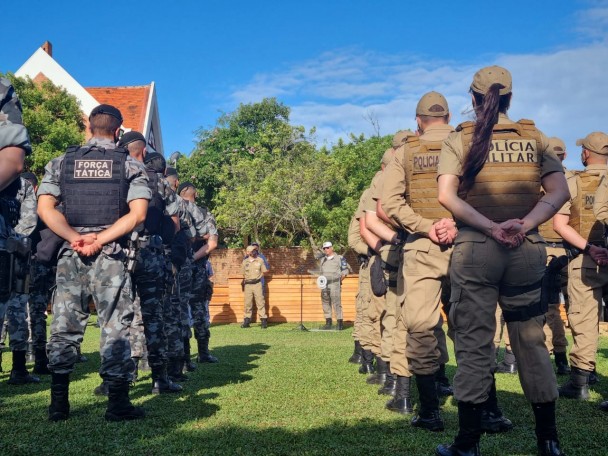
(274,392)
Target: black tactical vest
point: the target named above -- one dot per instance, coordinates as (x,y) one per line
(10,206)
(94,186)
(156,208)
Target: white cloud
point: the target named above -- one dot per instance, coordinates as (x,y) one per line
(563,91)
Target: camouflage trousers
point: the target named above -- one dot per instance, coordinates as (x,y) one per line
(15,310)
(177,324)
(149,285)
(199,302)
(42,281)
(104,279)
(137,337)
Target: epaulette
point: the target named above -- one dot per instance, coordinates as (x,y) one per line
(71,149)
(466,125)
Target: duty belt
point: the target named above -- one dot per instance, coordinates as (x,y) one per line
(558,245)
(387,267)
(154,241)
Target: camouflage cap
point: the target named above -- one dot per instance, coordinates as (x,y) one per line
(400,137)
(432,104)
(595,142)
(487,76)
(129,137)
(388,156)
(106,109)
(12,131)
(557,146)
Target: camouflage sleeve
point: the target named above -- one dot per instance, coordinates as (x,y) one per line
(138,180)
(171,205)
(200,220)
(50,181)
(28,217)
(211,223)
(344,267)
(12,131)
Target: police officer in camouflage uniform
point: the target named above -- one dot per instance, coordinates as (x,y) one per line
(20,195)
(42,281)
(201,288)
(104,195)
(14,145)
(150,263)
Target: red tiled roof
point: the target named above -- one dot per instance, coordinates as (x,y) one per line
(132,102)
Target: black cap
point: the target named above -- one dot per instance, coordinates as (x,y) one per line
(106,109)
(170,172)
(30,177)
(130,137)
(155,161)
(184,186)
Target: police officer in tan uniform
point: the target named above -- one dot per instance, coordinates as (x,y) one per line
(490,174)
(355,242)
(391,239)
(555,330)
(587,270)
(253,269)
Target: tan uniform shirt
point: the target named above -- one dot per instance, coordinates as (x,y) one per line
(600,203)
(369,204)
(253,269)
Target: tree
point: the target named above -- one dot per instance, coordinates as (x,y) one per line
(53,119)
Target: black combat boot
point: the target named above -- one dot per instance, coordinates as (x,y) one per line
(428,417)
(41,362)
(401,402)
(203,351)
(246,323)
(466,442)
(19,374)
(59,410)
(577,387)
(102,389)
(355,357)
(593,378)
(264,323)
(119,404)
(327,326)
(444,389)
(561,362)
(175,370)
(492,419)
(367,362)
(340,326)
(188,363)
(508,364)
(161,383)
(80,358)
(546,429)
(379,377)
(390,384)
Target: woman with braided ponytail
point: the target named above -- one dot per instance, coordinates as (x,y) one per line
(490,175)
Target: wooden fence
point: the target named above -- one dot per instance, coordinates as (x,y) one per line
(285,295)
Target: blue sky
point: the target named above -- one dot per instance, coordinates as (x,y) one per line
(335,63)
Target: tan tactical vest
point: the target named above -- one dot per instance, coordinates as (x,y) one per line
(581,210)
(508,186)
(421,160)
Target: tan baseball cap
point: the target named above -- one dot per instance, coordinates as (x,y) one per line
(432,104)
(388,156)
(400,136)
(595,142)
(557,146)
(250,249)
(487,76)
